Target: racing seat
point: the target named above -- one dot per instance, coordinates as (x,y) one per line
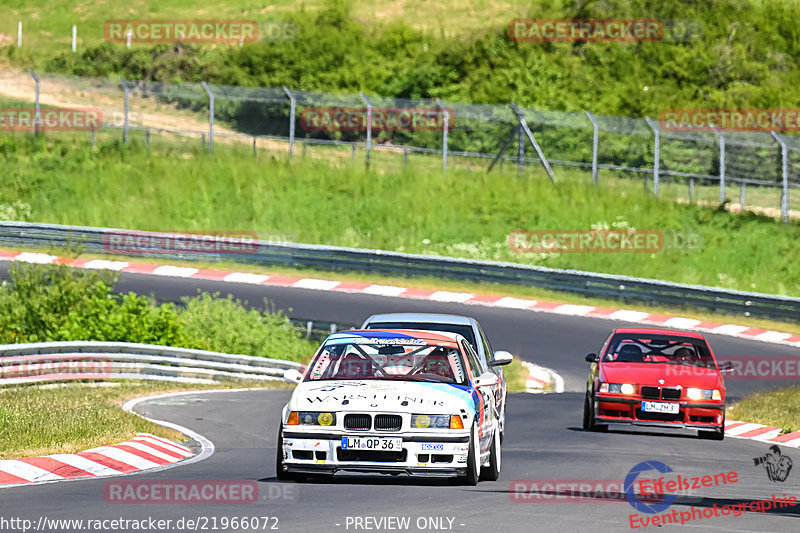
(630,353)
(353,366)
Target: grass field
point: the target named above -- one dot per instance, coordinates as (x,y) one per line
(777,408)
(462,213)
(47,25)
(46,419)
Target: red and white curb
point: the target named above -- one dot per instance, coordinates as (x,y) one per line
(143,452)
(760,432)
(744,332)
(542,379)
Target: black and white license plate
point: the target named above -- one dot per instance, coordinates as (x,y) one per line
(386,444)
(661,407)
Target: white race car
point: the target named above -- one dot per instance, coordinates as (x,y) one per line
(391,401)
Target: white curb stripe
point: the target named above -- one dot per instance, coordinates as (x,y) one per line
(729,329)
(514,303)
(446,296)
(573,310)
(102,264)
(384,290)
(175,271)
(26,471)
(317,284)
(773,336)
(629,316)
(32,257)
(152,451)
(85,464)
(744,428)
(681,323)
(166,445)
(245,277)
(124,457)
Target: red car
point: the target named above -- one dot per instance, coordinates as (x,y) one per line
(655,377)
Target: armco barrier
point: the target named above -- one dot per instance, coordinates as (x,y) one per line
(59,361)
(334,258)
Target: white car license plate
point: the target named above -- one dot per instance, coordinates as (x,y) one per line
(660,407)
(372,443)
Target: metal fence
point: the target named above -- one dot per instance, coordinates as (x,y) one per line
(333,258)
(77,360)
(467,133)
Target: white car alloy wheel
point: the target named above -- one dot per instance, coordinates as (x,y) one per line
(492,470)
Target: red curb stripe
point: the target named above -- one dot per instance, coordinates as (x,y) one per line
(786,437)
(282,281)
(752,332)
(214,275)
(757,432)
(732,425)
(484,299)
(169,443)
(142,454)
(417,293)
(657,319)
(708,325)
(793,338)
(601,311)
(9,255)
(11,479)
(140,268)
(108,461)
(545,306)
(350,286)
(56,467)
(160,448)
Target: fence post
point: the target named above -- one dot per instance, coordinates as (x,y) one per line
(19,34)
(784,175)
(292,108)
(741,197)
(520,149)
(524,127)
(445,128)
(721,138)
(210,116)
(595,145)
(656,153)
(369,125)
(74,37)
(38,119)
(125,120)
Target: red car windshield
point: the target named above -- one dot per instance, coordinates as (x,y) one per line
(661,349)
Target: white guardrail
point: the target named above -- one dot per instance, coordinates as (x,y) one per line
(92,360)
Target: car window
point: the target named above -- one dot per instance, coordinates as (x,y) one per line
(463,330)
(474,361)
(487,348)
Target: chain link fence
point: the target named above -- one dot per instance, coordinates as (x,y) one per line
(465,135)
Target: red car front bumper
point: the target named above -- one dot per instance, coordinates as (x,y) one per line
(617,409)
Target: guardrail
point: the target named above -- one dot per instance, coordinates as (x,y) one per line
(394,263)
(93,360)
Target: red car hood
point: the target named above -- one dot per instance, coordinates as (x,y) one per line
(651,373)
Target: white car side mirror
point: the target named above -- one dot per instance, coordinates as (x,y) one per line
(502,357)
(292,375)
(488,379)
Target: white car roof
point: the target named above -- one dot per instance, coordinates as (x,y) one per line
(433,318)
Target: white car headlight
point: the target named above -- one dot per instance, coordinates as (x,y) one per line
(703,394)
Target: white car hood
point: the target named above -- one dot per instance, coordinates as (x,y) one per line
(377,395)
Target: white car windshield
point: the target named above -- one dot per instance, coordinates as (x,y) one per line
(403,362)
